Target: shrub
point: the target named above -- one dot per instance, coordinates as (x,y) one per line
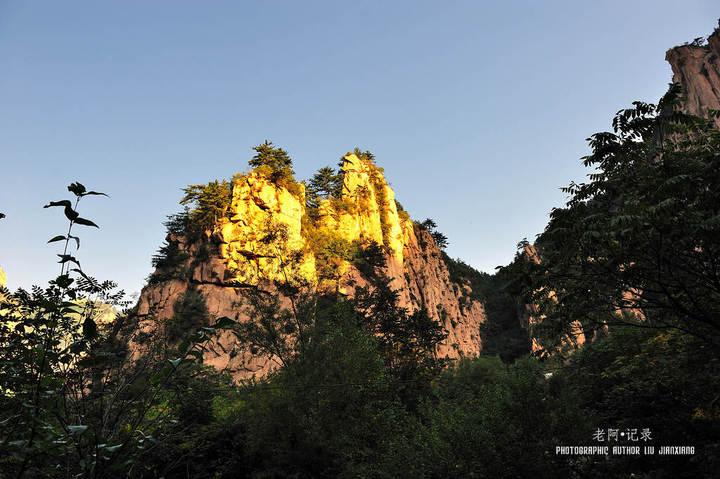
(369,257)
(330,251)
(275,164)
(190,313)
(404,215)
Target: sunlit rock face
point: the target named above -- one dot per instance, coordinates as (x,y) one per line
(258,208)
(370,212)
(697,70)
(3,278)
(264,242)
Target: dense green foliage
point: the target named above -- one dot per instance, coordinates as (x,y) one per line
(73,402)
(325,184)
(269,155)
(638,378)
(361,394)
(502,333)
(275,164)
(209,203)
(643,235)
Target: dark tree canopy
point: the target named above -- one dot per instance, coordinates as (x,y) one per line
(208,203)
(439,238)
(267,154)
(326,183)
(643,236)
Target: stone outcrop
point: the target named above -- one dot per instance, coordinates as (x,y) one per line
(260,209)
(3,278)
(696,68)
(268,240)
(373,214)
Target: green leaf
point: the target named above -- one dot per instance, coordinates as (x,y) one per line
(225,322)
(64,258)
(77,429)
(70,213)
(196,354)
(89,328)
(65,203)
(184,346)
(94,193)
(84,222)
(63,281)
(57,238)
(77,270)
(76,188)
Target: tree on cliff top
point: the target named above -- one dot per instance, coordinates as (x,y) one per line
(440,239)
(275,164)
(208,203)
(274,157)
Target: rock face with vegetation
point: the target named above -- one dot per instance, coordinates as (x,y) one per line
(696,67)
(265,233)
(3,278)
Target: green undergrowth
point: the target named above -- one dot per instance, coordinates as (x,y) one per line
(501,332)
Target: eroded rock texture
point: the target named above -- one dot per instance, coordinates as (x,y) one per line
(697,69)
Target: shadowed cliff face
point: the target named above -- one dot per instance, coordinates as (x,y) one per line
(697,70)
(268,240)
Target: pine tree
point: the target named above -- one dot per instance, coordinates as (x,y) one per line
(270,155)
(326,183)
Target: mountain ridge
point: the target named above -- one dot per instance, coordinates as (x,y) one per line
(269,241)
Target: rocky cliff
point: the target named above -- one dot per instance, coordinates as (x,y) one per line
(269,238)
(3,278)
(696,68)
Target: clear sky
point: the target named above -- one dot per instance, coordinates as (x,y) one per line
(478,111)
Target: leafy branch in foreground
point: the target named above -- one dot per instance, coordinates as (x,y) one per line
(639,243)
(75,400)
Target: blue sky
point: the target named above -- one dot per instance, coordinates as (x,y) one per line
(478,111)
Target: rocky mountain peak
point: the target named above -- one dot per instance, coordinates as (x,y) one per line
(696,67)
(367,211)
(270,237)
